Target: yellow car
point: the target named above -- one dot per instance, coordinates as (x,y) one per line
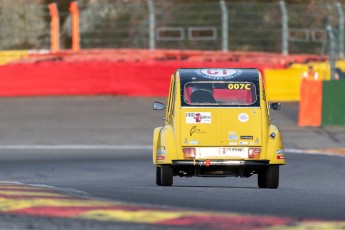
(217,124)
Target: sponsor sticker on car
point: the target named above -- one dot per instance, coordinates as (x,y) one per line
(160,153)
(280,154)
(243,117)
(198,117)
(219,74)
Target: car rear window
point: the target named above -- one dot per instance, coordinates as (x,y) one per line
(220,93)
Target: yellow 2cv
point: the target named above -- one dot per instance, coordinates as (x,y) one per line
(217,124)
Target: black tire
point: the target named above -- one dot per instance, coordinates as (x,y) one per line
(269,177)
(166,175)
(158,176)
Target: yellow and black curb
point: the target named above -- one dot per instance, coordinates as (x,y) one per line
(21,199)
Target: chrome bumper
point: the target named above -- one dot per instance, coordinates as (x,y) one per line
(220,163)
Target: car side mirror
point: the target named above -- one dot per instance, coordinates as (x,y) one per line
(275,106)
(158,105)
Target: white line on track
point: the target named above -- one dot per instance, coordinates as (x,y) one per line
(314,152)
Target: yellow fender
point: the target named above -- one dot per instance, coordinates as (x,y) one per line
(275,150)
(164,145)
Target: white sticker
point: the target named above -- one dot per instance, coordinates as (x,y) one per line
(160,152)
(198,118)
(243,143)
(280,151)
(232,136)
(232,143)
(243,117)
(218,74)
(193,142)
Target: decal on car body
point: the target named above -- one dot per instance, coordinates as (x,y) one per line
(198,117)
(247,137)
(239,86)
(194,130)
(243,117)
(219,74)
(233,136)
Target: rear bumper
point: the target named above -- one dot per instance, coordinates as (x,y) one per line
(220,163)
(243,168)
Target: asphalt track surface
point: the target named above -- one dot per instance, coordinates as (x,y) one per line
(98,147)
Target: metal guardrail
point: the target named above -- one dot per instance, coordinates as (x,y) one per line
(153,24)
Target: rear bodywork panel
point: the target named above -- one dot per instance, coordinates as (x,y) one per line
(224,137)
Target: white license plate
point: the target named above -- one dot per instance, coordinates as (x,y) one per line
(236,152)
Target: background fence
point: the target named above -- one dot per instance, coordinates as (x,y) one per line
(157,24)
(24,25)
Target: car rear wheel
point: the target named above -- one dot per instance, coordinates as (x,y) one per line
(166,177)
(269,177)
(158,176)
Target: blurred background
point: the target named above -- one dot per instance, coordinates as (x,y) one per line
(290,26)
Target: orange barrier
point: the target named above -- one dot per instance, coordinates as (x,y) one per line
(75,26)
(310,106)
(54,26)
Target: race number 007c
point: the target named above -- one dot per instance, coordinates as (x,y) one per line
(236,86)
